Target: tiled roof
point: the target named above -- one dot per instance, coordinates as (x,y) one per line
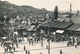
(28,28)
(49,24)
(62,25)
(74,27)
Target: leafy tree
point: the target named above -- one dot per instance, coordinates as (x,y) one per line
(77,11)
(2,17)
(56,12)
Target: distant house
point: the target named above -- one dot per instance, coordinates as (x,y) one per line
(64,18)
(17,21)
(35,18)
(76,19)
(41,19)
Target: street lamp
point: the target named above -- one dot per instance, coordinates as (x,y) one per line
(48,20)
(49,47)
(49,38)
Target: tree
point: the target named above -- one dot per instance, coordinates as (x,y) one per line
(56,12)
(77,11)
(2,17)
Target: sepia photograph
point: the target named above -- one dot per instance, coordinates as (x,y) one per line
(39,27)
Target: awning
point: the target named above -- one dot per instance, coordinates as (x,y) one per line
(60,31)
(4,37)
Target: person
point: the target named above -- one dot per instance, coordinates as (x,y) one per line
(26,51)
(5,50)
(75,46)
(24,48)
(17,45)
(37,39)
(47,47)
(40,53)
(11,52)
(41,43)
(61,51)
(73,41)
(31,40)
(12,44)
(14,48)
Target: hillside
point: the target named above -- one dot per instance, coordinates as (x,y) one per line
(13,10)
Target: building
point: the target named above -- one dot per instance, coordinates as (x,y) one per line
(73,30)
(76,18)
(54,26)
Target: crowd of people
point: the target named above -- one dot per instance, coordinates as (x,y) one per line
(32,39)
(54,38)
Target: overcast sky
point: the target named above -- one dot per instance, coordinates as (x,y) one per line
(49,4)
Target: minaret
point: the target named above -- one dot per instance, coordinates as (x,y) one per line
(70,8)
(70,12)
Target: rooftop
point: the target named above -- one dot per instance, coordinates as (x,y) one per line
(62,25)
(74,27)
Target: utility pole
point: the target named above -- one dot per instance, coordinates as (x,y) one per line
(49,39)
(49,47)
(48,35)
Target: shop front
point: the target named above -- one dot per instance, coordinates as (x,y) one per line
(56,30)
(73,30)
(78,32)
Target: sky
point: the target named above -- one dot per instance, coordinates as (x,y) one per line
(49,4)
